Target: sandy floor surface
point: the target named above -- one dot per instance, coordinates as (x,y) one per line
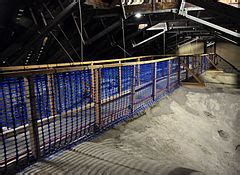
(191,131)
(192,128)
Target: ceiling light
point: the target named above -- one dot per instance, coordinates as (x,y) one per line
(142,26)
(138,15)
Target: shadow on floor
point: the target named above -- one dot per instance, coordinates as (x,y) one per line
(91,158)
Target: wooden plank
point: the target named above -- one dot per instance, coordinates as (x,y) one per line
(193,74)
(191,84)
(51,93)
(179,70)
(154,81)
(138,72)
(120,79)
(201,68)
(32,116)
(216,71)
(212,63)
(187,63)
(87,63)
(97,97)
(67,69)
(194,63)
(92,81)
(169,75)
(133,94)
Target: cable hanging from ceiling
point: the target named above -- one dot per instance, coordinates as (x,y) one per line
(81,28)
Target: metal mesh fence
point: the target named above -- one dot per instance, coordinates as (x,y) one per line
(45,112)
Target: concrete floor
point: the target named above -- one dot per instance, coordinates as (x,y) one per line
(192,131)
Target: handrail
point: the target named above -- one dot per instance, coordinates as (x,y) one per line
(58,65)
(67,69)
(17,71)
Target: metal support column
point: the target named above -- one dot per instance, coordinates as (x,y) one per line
(123,37)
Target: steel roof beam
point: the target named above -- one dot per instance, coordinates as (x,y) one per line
(184,12)
(149,39)
(218,8)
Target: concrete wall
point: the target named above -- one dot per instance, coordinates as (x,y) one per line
(192,48)
(226,50)
(230,52)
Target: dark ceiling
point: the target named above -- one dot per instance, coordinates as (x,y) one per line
(51,31)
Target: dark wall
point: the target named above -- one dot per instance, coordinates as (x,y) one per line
(230,52)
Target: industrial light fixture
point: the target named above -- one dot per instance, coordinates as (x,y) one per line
(138,15)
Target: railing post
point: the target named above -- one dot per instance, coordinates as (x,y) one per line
(211,63)
(51,90)
(138,72)
(179,69)
(217,59)
(193,62)
(187,61)
(214,59)
(120,80)
(32,116)
(196,67)
(154,81)
(133,84)
(169,76)
(200,61)
(92,82)
(97,98)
